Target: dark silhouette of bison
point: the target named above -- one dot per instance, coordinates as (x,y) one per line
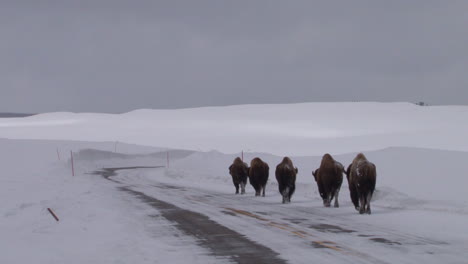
(258,175)
(239,171)
(286,177)
(361,175)
(329,177)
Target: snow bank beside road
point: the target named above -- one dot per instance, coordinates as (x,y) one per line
(97,223)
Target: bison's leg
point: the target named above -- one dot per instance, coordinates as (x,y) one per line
(328,199)
(336,198)
(258,190)
(325,201)
(254,184)
(263,190)
(242,187)
(236,184)
(354,196)
(281,191)
(291,192)
(368,200)
(285,194)
(362,203)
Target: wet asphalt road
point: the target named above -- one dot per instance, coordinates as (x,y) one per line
(220,240)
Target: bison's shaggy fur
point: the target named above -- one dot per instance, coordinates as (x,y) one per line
(239,171)
(361,175)
(329,177)
(286,177)
(258,175)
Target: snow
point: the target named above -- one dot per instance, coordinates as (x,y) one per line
(419,207)
(292,129)
(97,224)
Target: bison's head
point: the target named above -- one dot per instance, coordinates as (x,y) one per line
(315,174)
(348,171)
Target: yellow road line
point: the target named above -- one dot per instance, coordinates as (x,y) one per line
(298,234)
(278,226)
(294,231)
(242,212)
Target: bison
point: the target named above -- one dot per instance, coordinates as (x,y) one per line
(286,177)
(239,171)
(361,175)
(258,175)
(329,177)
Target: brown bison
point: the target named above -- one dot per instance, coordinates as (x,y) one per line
(286,177)
(258,175)
(239,171)
(361,175)
(329,177)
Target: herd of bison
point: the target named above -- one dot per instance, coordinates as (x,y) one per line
(361,175)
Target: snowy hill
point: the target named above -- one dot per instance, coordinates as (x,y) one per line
(289,129)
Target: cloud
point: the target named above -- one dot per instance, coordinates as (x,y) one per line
(115,56)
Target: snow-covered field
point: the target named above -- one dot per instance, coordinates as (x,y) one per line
(290,129)
(420,207)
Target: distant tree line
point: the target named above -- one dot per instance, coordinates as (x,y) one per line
(10,115)
(422,104)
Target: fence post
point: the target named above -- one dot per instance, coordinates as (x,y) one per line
(73,165)
(167,159)
(58,154)
(242,155)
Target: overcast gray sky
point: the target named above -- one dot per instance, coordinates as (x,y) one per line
(115,56)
